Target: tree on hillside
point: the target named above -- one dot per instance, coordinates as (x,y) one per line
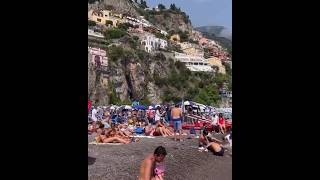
(173,7)
(184,36)
(92,1)
(208,95)
(91,23)
(125,26)
(114,53)
(161,7)
(114,33)
(109,7)
(143,3)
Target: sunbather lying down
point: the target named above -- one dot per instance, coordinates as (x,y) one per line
(112,135)
(211,143)
(216,148)
(161,129)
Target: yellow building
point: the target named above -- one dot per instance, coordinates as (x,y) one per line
(102,16)
(193,51)
(213,61)
(185,45)
(175,38)
(116,15)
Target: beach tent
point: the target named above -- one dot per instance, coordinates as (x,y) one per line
(186,103)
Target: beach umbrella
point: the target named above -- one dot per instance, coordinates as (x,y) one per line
(187,103)
(139,107)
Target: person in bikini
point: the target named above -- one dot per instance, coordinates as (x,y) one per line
(123,128)
(149,130)
(111,135)
(148,168)
(162,130)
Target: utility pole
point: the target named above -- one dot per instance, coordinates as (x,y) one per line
(183,108)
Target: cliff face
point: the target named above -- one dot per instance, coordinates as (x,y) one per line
(172,21)
(98,89)
(134,74)
(128,77)
(121,6)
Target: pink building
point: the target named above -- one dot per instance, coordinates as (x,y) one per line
(98,56)
(203,41)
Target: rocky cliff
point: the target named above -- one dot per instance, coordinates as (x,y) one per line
(170,20)
(135,74)
(120,6)
(150,77)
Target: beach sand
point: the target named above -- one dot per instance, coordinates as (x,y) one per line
(183,161)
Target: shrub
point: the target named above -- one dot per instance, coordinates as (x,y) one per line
(125,26)
(109,7)
(91,23)
(114,33)
(114,53)
(184,36)
(161,7)
(136,38)
(92,1)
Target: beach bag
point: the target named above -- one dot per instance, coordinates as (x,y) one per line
(192,131)
(114,118)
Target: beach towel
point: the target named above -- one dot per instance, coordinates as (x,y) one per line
(95,143)
(143,136)
(139,130)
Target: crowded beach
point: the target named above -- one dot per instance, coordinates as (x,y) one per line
(208,130)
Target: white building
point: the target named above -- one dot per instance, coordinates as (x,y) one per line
(94,34)
(135,21)
(193,63)
(152,43)
(98,56)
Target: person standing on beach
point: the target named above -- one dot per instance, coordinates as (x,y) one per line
(148,165)
(176,116)
(222,124)
(94,114)
(158,114)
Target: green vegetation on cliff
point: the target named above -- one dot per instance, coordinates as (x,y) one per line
(114,33)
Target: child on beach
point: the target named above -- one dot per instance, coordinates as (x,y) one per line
(159,171)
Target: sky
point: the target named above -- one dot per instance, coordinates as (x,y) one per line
(202,12)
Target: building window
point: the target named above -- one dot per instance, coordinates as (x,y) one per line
(99,20)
